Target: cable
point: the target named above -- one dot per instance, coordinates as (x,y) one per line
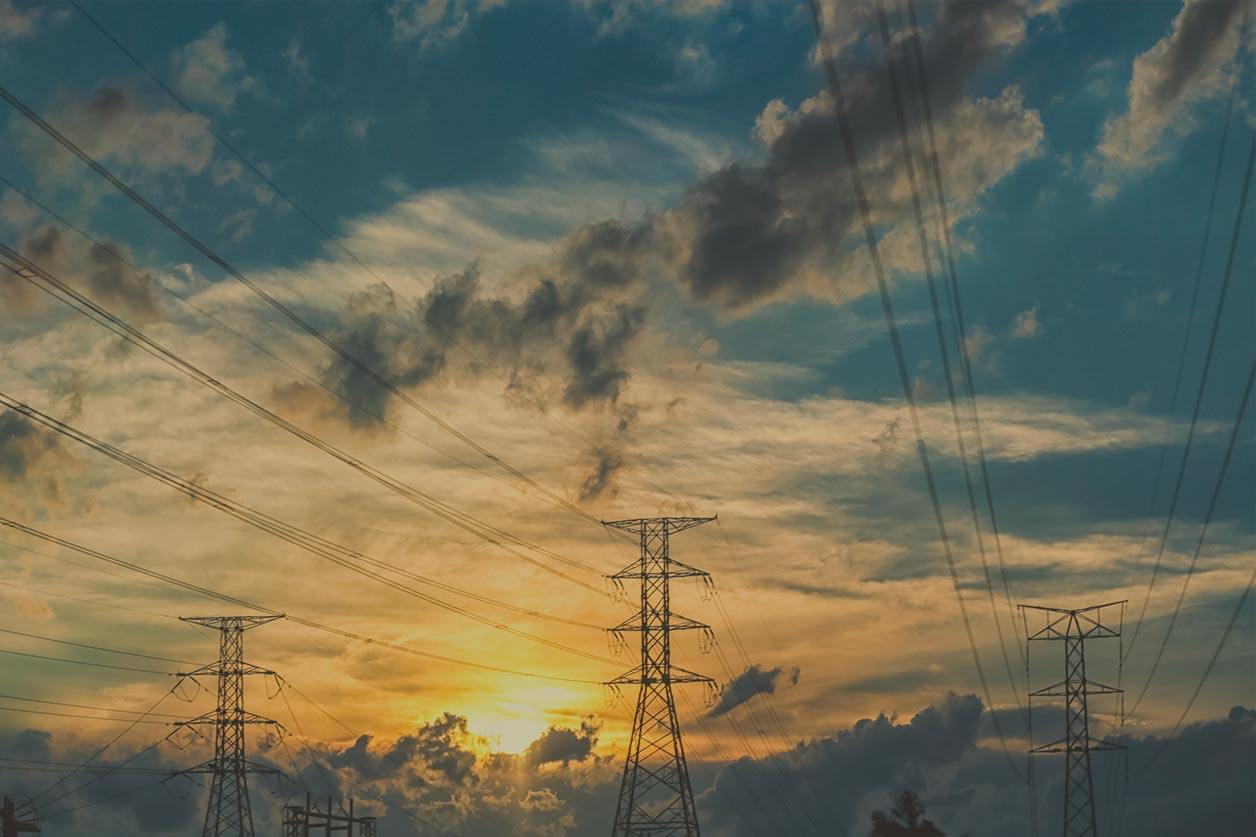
(59,290)
(239,602)
(852,157)
(85,706)
(53,714)
(1186,337)
(1199,397)
(85,663)
(275,303)
(95,647)
(116,254)
(910,167)
(291,534)
(1238,610)
(957,313)
(32,803)
(1203,533)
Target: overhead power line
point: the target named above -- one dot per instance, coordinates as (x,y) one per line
(336,554)
(1203,533)
(896,94)
(852,157)
(168,222)
(1199,395)
(206,592)
(61,291)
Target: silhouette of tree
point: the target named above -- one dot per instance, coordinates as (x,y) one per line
(906,819)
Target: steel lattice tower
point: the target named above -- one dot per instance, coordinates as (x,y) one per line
(1074,627)
(11,826)
(229,814)
(305,821)
(655,797)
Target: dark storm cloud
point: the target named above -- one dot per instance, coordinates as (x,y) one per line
(1198,34)
(24,448)
(1204,784)
(97,268)
(561,745)
(751,682)
(747,231)
(575,322)
(602,475)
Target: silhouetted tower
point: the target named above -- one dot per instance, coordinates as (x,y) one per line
(228,814)
(10,825)
(309,820)
(1074,627)
(655,796)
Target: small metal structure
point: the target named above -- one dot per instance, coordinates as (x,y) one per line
(1073,627)
(655,796)
(10,825)
(299,821)
(228,813)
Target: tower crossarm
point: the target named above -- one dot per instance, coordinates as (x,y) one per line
(212,766)
(1064,689)
(673,569)
(1094,622)
(217,669)
(1088,745)
(676,674)
(675,623)
(215,717)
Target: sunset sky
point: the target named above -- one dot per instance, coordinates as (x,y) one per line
(609,255)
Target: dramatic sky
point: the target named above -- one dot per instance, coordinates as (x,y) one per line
(609,255)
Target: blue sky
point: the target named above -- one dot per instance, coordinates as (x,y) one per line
(615,244)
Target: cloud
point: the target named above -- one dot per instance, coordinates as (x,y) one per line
(753,681)
(113,125)
(1192,63)
(1026,325)
(562,745)
(360,126)
(575,323)
(298,60)
(97,268)
(601,478)
(210,72)
(18,22)
(31,459)
(430,24)
(755,231)
(1204,785)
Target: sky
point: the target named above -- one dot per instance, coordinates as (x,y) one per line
(608,259)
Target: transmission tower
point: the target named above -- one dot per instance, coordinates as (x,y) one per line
(10,825)
(229,814)
(1074,627)
(655,796)
(301,821)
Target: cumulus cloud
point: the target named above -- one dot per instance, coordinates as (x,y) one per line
(751,682)
(429,24)
(210,72)
(575,322)
(1206,786)
(1193,62)
(31,459)
(1026,325)
(754,231)
(18,22)
(98,269)
(562,745)
(113,125)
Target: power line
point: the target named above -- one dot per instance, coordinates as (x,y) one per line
(1190,321)
(59,290)
(235,600)
(1203,532)
(116,254)
(261,292)
(84,663)
(940,331)
(1225,636)
(1199,396)
(852,157)
(85,706)
(957,312)
(341,556)
(94,647)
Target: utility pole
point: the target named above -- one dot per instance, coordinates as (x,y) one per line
(655,796)
(1074,627)
(229,814)
(301,821)
(10,825)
